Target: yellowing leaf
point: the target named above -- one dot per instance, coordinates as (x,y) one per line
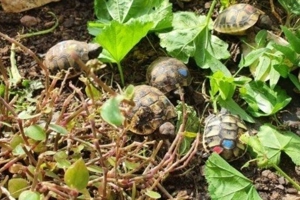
(77,175)
(16,186)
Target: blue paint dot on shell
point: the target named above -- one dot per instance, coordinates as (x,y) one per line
(228,144)
(183,72)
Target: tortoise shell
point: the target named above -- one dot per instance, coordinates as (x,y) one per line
(58,57)
(152,110)
(221,135)
(167,74)
(238,18)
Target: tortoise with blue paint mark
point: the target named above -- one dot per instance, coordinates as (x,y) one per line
(221,135)
(168,74)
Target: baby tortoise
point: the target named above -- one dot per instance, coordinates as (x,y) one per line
(221,135)
(168,74)
(58,58)
(238,18)
(152,111)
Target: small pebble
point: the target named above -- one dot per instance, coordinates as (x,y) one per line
(273,177)
(291,197)
(275,195)
(68,23)
(265,173)
(281,181)
(258,186)
(207,5)
(281,187)
(291,191)
(29,21)
(297,169)
(270,175)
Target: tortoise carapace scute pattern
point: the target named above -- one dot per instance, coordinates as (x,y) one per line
(168,74)
(238,18)
(152,109)
(221,135)
(58,57)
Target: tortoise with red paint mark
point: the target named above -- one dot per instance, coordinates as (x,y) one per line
(221,135)
(238,18)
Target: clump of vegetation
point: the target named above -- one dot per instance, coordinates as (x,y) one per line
(84,149)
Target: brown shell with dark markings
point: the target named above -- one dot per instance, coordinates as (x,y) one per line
(238,18)
(167,74)
(151,111)
(221,135)
(58,57)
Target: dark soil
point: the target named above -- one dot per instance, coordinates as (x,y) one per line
(73,16)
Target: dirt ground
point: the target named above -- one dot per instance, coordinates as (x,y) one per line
(73,16)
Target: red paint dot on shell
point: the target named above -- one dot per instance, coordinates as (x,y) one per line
(218,149)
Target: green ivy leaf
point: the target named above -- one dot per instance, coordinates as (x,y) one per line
(262,100)
(225,182)
(77,175)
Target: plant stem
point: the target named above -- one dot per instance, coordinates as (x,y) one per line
(211,9)
(294,183)
(41,32)
(121,73)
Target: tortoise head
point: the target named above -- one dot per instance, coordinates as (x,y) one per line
(167,128)
(265,22)
(94,50)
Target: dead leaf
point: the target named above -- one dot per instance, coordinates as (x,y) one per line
(21,5)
